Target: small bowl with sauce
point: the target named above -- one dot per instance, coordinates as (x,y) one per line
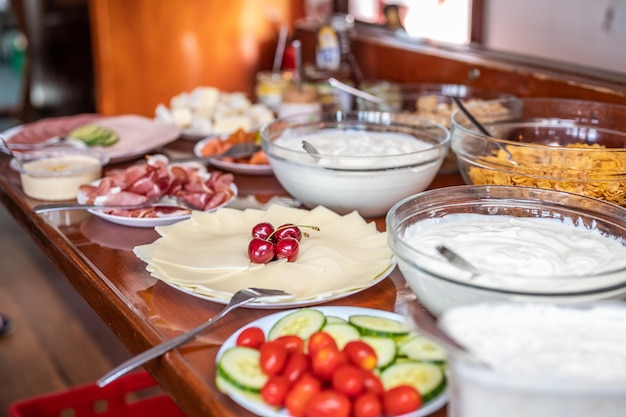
(522,244)
(56,173)
(367,161)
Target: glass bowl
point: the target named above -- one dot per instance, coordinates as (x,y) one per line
(367,160)
(528,244)
(56,173)
(562,144)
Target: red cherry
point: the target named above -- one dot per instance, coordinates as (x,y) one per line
(262,230)
(261,251)
(287,230)
(287,247)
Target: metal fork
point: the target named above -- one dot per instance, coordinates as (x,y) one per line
(164,201)
(240,298)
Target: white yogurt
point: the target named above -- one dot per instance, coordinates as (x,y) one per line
(523,253)
(542,360)
(59,177)
(354,149)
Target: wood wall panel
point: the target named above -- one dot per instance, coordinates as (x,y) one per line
(146,51)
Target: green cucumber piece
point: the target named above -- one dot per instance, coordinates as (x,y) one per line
(335,319)
(301,323)
(422,349)
(379,326)
(427,378)
(230,389)
(342,333)
(385,349)
(241,367)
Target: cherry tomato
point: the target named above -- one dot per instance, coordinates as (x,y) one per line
(348,379)
(367,405)
(275,390)
(361,354)
(401,400)
(328,403)
(372,383)
(272,358)
(300,394)
(297,364)
(291,342)
(252,337)
(319,340)
(325,362)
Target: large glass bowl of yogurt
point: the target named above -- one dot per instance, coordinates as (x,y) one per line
(522,244)
(367,161)
(538,360)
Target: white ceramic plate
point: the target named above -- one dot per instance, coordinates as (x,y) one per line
(148,221)
(138,135)
(234,167)
(285,303)
(265,323)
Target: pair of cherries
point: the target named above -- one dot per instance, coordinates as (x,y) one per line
(269,244)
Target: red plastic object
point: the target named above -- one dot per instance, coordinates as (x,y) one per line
(136,395)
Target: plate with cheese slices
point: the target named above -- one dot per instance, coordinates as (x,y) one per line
(207,256)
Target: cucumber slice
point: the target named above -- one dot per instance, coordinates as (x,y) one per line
(422,349)
(301,323)
(230,389)
(335,319)
(240,367)
(379,326)
(427,378)
(342,333)
(385,349)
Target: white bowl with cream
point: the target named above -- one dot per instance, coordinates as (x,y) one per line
(542,360)
(525,244)
(56,173)
(367,160)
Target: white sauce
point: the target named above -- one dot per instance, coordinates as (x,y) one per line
(540,249)
(59,178)
(543,360)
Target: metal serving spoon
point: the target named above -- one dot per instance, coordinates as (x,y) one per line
(456,259)
(482,128)
(240,298)
(359,93)
(164,201)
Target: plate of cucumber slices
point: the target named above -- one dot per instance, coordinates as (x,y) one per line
(403,356)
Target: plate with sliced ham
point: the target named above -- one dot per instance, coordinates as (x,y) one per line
(154,178)
(137,135)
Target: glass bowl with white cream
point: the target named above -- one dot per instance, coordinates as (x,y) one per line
(522,244)
(56,173)
(538,360)
(367,161)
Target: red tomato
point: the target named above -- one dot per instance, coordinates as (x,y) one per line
(361,354)
(275,390)
(297,364)
(291,342)
(348,379)
(252,337)
(372,383)
(300,394)
(367,405)
(401,400)
(272,358)
(320,340)
(328,403)
(326,361)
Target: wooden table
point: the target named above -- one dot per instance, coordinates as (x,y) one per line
(97,258)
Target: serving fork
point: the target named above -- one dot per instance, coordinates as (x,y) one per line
(163,201)
(240,298)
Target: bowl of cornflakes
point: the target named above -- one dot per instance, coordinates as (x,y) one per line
(570,145)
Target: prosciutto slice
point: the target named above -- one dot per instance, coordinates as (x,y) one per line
(156,177)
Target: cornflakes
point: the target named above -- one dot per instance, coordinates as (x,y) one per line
(590,170)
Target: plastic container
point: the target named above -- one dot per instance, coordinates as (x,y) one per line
(136,395)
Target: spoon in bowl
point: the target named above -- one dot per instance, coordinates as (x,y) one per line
(482,128)
(359,93)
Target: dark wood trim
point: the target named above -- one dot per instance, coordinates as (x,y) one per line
(477,21)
